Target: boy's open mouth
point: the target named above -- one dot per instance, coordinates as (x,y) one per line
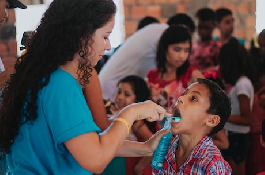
(176,113)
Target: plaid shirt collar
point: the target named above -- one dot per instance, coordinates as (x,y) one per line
(195,153)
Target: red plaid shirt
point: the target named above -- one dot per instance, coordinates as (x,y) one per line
(205,159)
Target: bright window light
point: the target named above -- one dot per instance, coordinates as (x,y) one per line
(29,19)
(260,13)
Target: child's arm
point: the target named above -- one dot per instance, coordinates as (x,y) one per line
(245,112)
(140,166)
(261,95)
(220,140)
(195,74)
(141,130)
(154,91)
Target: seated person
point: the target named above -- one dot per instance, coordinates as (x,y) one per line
(204,108)
(131,89)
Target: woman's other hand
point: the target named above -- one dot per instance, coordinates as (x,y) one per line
(152,143)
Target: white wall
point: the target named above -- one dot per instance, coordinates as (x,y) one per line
(260,14)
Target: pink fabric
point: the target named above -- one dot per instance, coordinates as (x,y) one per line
(204,54)
(258,113)
(256,157)
(169,90)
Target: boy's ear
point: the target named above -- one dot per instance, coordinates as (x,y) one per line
(213,120)
(262,142)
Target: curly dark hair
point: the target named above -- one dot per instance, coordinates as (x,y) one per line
(235,61)
(220,103)
(66,29)
(172,35)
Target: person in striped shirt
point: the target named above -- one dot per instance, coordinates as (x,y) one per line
(204,109)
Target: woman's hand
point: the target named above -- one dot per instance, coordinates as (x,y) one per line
(152,143)
(146,110)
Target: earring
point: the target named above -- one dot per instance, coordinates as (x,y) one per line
(81,53)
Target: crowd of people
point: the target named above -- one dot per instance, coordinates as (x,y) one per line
(64,112)
(175,60)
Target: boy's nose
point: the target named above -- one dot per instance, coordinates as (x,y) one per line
(180,101)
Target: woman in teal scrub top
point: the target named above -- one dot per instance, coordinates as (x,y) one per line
(45,124)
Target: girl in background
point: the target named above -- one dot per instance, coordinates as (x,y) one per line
(237,72)
(174,73)
(132,89)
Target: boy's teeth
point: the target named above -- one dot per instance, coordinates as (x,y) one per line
(177,120)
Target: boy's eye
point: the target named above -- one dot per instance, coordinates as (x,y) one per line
(193,98)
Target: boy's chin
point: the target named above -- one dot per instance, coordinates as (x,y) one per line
(174,131)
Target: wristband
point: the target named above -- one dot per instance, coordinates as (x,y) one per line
(124,122)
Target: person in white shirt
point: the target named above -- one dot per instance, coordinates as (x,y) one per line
(136,56)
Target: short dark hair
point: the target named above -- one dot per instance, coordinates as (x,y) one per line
(205,14)
(146,21)
(222,12)
(139,86)
(220,103)
(183,19)
(263,130)
(172,35)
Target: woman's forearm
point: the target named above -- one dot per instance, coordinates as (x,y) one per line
(134,149)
